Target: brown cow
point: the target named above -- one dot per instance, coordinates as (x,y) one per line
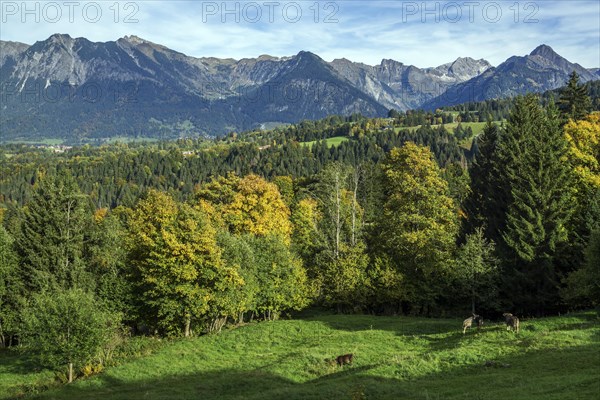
(512,322)
(345,359)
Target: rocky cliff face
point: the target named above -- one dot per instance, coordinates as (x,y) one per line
(9,51)
(400,86)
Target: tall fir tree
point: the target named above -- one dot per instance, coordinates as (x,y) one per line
(11,289)
(51,238)
(486,203)
(574,102)
(531,153)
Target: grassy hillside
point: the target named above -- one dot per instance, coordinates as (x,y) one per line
(333,141)
(395,357)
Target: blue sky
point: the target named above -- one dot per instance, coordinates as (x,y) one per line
(414,32)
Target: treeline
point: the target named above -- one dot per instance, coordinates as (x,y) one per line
(499,109)
(118,174)
(421,117)
(518,231)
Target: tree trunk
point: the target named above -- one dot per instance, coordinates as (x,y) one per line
(188,323)
(354,202)
(70,372)
(2,338)
(338,225)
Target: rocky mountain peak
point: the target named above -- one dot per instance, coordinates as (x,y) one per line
(387,63)
(133,39)
(60,37)
(307,55)
(543,69)
(11,50)
(465,68)
(545,51)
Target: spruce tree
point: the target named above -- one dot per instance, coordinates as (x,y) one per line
(574,102)
(486,204)
(531,153)
(51,238)
(11,289)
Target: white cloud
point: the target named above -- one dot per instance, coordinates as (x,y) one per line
(365,31)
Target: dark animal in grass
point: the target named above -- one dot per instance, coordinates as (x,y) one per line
(495,364)
(345,359)
(512,322)
(474,319)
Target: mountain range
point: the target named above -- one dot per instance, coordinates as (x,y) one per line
(78,90)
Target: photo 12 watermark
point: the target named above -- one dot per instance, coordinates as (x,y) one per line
(469,11)
(87,92)
(270,12)
(54,12)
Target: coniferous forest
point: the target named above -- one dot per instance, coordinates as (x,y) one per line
(397,216)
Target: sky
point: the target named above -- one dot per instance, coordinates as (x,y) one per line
(421,33)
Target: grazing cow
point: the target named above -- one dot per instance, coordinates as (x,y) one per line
(467,323)
(512,322)
(345,359)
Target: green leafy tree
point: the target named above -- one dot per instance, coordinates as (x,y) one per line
(340,262)
(285,185)
(419,222)
(458,184)
(238,254)
(583,284)
(345,280)
(476,271)
(389,292)
(177,263)
(106,256)
(306,237)
(281,277)
(67,328)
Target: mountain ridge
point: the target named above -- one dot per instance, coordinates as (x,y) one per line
(140,82)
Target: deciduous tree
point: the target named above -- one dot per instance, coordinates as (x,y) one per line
(418,226)
(67,328)
(176,260)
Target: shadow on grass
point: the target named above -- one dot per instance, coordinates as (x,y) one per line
(402,326)
(407,326)
(13,361)
(570,373)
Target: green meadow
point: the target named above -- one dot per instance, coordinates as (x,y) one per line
(332,141)
(477,127)
(394,358)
